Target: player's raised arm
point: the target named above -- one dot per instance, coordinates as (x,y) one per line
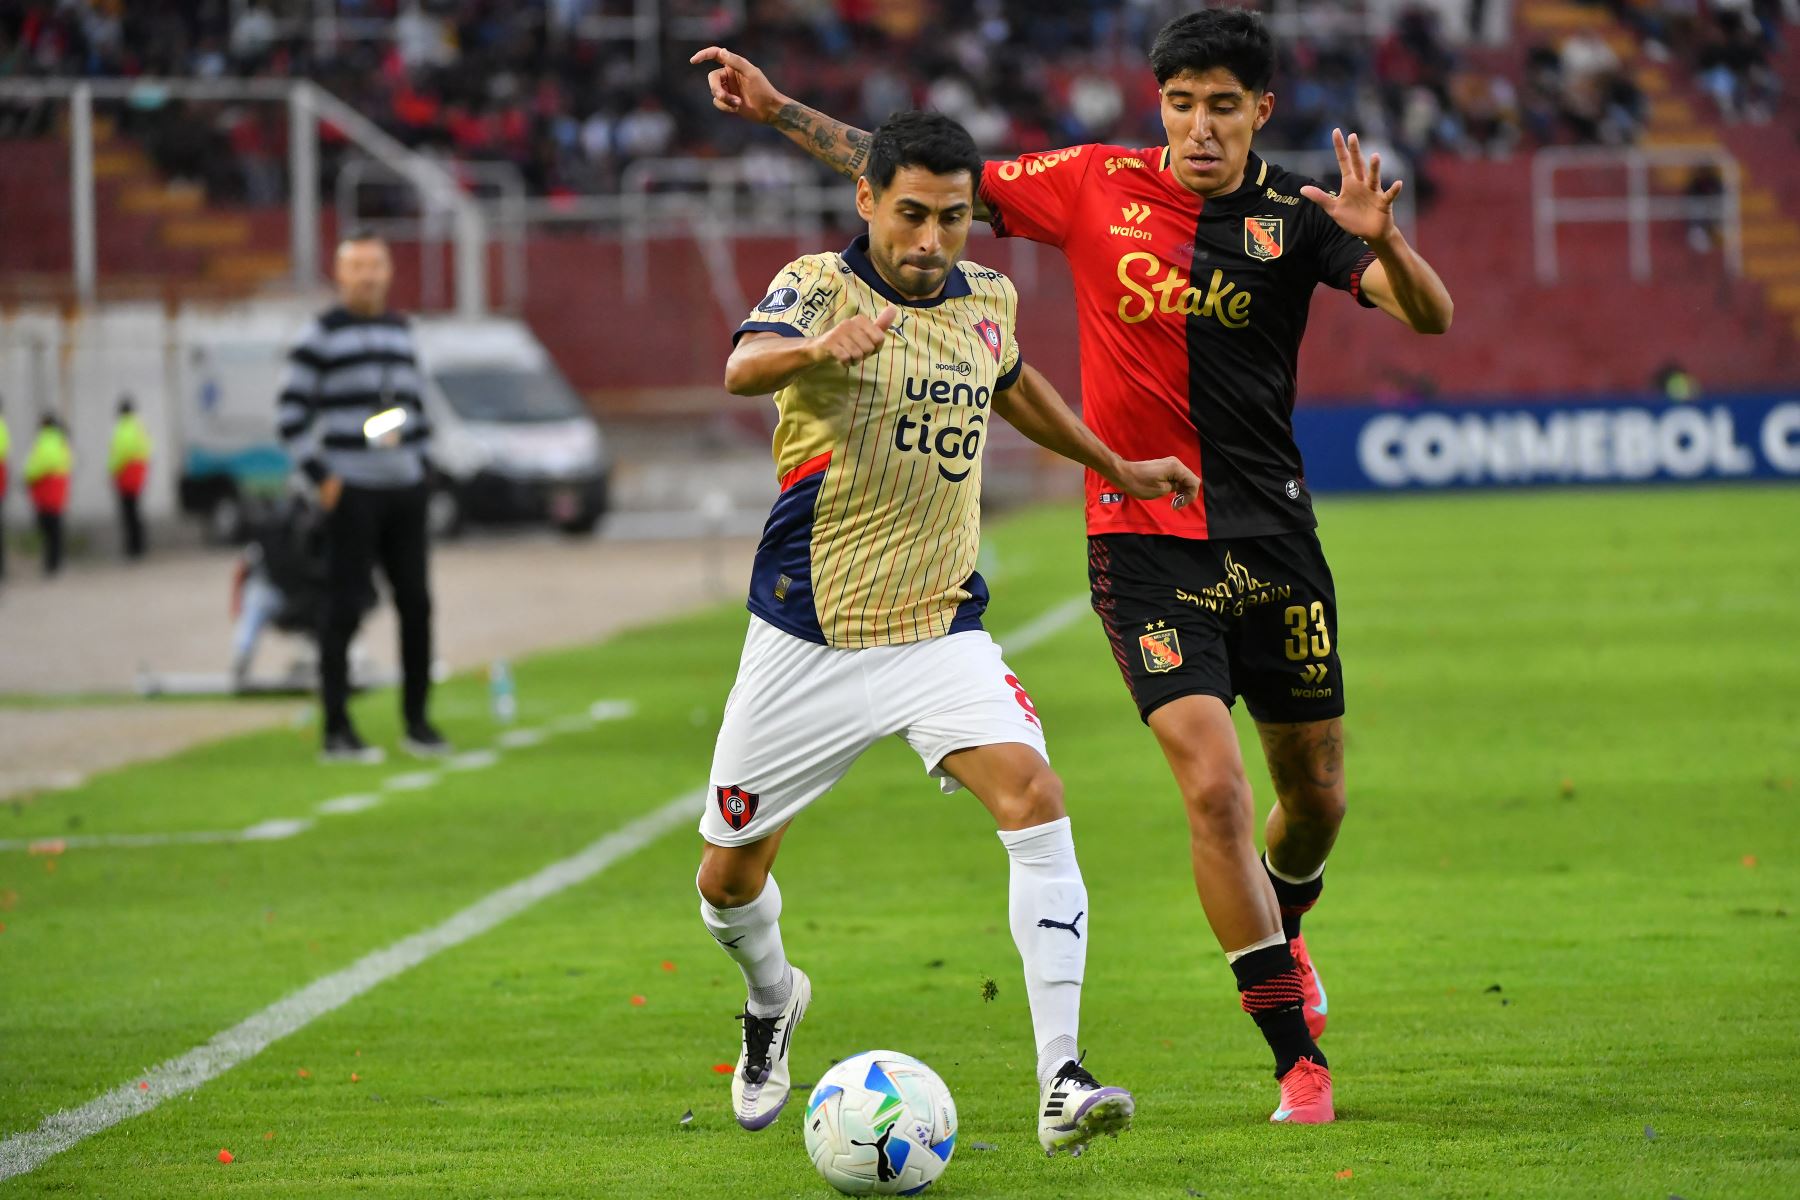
(1034,407)
(762,363)
(1399,282)
(739,86)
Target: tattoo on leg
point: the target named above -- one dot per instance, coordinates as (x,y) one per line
(1304,756)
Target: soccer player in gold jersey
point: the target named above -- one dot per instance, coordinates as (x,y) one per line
(888,362)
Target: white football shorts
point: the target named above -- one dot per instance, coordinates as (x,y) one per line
(801,713)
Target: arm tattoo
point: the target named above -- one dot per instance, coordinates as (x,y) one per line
(833,143)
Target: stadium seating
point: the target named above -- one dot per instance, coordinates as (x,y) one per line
(1592,331)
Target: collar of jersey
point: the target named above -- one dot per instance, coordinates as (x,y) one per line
(1256,172)
(857,256)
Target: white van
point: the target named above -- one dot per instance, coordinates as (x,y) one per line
(511,439)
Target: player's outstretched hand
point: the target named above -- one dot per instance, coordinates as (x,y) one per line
(854,340)
(739,86)
(1361,207)
(1152,477)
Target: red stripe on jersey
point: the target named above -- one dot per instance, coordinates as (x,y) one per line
(811,466)
(1135,364)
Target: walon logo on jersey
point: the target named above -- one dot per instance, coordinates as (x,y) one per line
(1176,295)
(737,806)
(1135,214)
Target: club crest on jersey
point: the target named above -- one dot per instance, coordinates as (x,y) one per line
(1162,650)
(990,336)
(1262,237)
(737,806)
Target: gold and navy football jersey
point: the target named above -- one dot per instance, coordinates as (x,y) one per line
(873,539)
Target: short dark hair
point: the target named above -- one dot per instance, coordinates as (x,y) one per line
(361,233)
(1216,37)
(920,139)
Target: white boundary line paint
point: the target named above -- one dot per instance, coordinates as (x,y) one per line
(278,828)
(27,1151)
(1046,625)
(611,710)
(24,1152)
(266,831)
(578,723)
(341,805)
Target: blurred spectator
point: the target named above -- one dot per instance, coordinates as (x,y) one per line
(531,83)
(47,471)
(1673,383)
(647,131)
(1704,184)
(128,463)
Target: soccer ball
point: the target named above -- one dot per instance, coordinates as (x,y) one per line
(880,1124)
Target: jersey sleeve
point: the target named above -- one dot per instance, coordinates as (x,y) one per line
(1338,258)
(1033,196)
(1012,359)
(802,300)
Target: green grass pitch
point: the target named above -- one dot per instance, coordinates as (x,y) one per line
(1559,930)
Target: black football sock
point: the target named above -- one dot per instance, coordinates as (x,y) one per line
(1296,899)
(1270,990)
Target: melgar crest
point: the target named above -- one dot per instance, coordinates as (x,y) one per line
(1262,237)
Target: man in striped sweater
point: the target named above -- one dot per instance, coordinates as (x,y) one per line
(354,424)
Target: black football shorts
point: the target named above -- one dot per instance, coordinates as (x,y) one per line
(1254,617)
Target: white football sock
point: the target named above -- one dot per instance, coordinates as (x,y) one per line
(1270,867)
(1047,906)
(751,934)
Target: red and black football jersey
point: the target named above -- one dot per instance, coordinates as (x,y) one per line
(1191,311)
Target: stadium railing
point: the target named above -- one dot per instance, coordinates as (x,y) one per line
(497,189)
(308,105)
(1637,204)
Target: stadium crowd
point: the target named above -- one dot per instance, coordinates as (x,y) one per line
(524,82)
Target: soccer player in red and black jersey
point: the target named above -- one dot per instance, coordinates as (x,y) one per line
(1195,264)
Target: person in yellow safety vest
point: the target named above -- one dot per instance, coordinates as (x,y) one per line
(5,450)
(47,471)
(129,466)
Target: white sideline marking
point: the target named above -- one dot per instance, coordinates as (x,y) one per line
(27,1151)
(347,804)
(611,710)
(287,827)
(1047,625)
(266,831)
(578,723)
(276,829)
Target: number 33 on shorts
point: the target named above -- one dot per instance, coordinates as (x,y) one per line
(1308,634)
